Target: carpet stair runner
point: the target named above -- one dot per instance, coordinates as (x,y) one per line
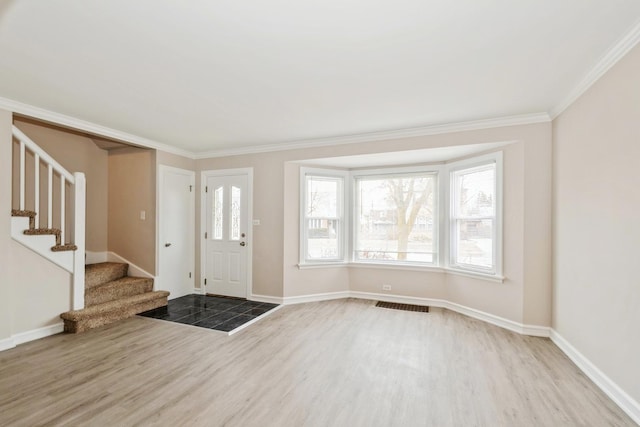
(33,231)
(111,295)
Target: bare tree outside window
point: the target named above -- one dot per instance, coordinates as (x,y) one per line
(396,218)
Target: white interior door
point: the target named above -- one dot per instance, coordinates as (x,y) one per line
(226,235)
(176,221)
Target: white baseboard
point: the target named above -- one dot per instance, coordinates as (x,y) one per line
(606,384)
(35,334)
(265,298)
(91,257)
(400,299)
(134,270)
(316,297)
(31,335)
(7,343)
(533,330)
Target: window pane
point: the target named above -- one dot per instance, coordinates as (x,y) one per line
(474,242)
(322,196)
(218,212)
(476,192)
(395,218)
(235,213)
(323,241)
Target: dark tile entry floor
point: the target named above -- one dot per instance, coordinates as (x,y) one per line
(212,312)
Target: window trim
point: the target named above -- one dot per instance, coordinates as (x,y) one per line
(343,216)
(495,158)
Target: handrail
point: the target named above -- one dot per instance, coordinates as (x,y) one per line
(43,154)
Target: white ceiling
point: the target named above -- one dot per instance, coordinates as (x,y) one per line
(209,75)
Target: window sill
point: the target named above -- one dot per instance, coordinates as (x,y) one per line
(322,265)
(407,267)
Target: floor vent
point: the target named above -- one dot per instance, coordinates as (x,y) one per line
(405,307)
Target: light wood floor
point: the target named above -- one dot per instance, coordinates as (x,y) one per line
(336,363)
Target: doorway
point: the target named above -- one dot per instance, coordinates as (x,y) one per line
(226,220)
(176,230)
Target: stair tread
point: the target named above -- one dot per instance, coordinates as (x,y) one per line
(65,247)
(18,212)
(104,272)
(101,266)
(39,231)
(119,288)
(107,307)
(123,281)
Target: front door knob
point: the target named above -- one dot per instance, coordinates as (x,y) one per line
(242,243)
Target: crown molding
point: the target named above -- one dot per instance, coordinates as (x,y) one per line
(92,128)
(85,126)
(608,60)
(523,119)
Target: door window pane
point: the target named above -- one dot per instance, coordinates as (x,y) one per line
(218,212)
(235,213)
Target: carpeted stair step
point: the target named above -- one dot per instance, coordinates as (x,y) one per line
(103,272)
(29,214)
(120,288)
(33,231)
(101,314)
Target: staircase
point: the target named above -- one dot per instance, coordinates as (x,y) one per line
(111,295)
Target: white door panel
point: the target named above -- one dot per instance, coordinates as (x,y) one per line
(176,231)
(226,217)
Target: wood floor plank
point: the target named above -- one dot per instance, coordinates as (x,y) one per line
(334,363)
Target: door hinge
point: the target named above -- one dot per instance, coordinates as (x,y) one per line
(206,189)
(205,234)
(190,188)
(205,281)
(189,275)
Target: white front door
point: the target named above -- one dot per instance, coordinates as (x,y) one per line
(226,235)
(176,208)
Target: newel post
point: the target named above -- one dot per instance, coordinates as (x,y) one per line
(79,219)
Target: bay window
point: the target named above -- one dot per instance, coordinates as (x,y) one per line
(405,216)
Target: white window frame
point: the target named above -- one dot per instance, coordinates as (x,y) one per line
(451,262)
(389,172)
(343,216)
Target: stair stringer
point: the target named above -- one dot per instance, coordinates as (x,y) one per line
(41,244)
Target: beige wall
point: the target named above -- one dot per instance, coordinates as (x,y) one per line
(132,189)
(76,153)
(168,159)
(523,297)
(597,236)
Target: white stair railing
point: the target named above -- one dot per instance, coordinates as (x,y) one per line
(78,182)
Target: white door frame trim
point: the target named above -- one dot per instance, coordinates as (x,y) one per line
(192,223)
(248,172)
